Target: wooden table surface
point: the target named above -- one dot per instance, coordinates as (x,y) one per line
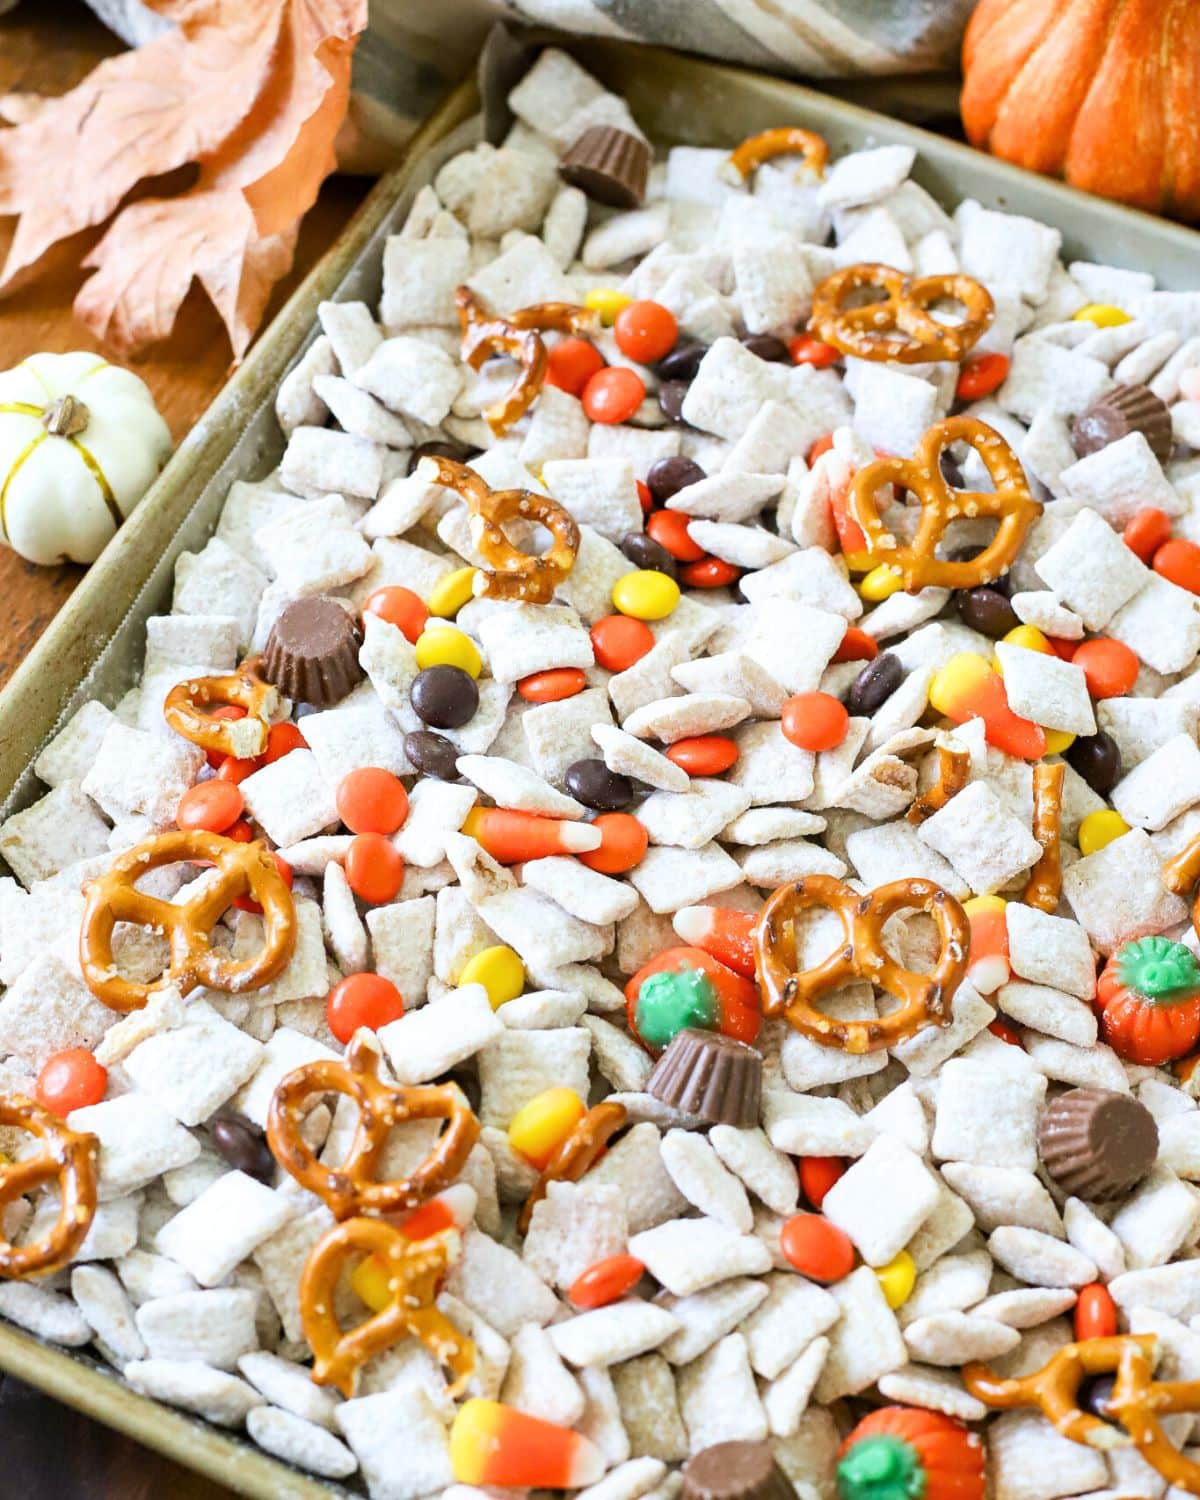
(47,46)
(51,1453)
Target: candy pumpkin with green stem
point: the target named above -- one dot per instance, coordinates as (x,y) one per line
(904,1453)
(688,987)
(1148,999)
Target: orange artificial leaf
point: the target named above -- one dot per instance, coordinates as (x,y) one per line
(148,259)
(19,109)
(251,91)
(286,187)
(137,115)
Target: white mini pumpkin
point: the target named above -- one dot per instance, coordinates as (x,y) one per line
(81,441)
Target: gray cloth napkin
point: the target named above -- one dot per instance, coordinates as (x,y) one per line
(414,49)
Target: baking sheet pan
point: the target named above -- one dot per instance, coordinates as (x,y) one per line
(94,646)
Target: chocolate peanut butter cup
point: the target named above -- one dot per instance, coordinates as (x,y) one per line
(1097,1144)
(609,165)
(1124,409)
(735,1471)
(710,1076)
(312,652)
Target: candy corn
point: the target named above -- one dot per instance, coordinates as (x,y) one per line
(540,1127)
(453,1209)
(495,1444)
(968,688)
(989,967)
(727,935)
(1028,636)
(369,1282)
(830,480)
(512,837)
(849,532)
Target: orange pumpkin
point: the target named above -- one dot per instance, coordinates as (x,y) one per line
(690,988)
(1101,92)
(906,1453)
(1148,998)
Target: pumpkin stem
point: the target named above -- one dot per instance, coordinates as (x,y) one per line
(670,1000)
(881,1467)
(65,417)
(1158,969)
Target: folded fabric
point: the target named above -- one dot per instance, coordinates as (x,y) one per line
(413,51)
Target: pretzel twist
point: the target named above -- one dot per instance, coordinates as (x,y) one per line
(925,998)
(1045,879)
(517,335)
(68,1159)
(351,1188)
(917,564)
(1181,873)
(241,870)
(1137,1400)
(510,573)
(555,317)
(783,140)
(954,766)
(577,1155)
(184,710)
(899,328)
(414,1271)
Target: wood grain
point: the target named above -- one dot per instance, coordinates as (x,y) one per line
(51,1452)
(47,46)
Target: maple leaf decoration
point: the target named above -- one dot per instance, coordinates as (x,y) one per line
(250,91)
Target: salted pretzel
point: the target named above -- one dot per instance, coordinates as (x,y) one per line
(783,140)
(414,1271)
(1137,1400)
(510,573)
(186,706)
(516,335)
(925,998)
(899,328)
(577,1155)
(352,1188)
(241,870)
(1045,879)
(917,563)
(68,1158)
(954,766)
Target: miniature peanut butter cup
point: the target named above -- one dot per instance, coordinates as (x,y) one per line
(1097,1144)
(735,1471)
(609,165)
(1124,409)
(312,652)
(710,1076)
